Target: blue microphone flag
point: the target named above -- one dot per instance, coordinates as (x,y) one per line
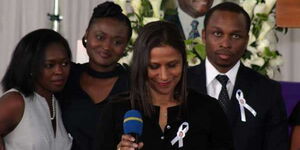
(133,122)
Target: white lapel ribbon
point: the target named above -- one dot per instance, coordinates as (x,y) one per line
(182,130)
(243,104)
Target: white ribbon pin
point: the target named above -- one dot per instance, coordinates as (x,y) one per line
(182,130)
(240,97)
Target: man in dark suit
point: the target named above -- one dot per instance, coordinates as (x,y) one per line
(253,103)
(187,12)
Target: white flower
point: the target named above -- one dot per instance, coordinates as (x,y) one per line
(127,59)
(269,5)
(122,4)
(260,9)
(247,63)
(252,38)
(248,5)
(136,6)
(270,72)
(156,7)
(252,49)
(276,62)
(134,35)
(262,45)
(266,27)
(149,19)
(271,37)
(255,60)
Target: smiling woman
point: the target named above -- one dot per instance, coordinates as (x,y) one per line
(91,84)
(173,117)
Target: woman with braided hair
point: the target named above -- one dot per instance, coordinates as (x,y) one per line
(91,84)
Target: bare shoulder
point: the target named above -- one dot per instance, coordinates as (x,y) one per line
(11,111)
(12,100)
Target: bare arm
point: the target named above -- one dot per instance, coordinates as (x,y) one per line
(11,112)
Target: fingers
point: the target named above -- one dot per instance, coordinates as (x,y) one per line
(127,143)
(140,146)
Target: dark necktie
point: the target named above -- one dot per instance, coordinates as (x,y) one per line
(194,32)
(223,96)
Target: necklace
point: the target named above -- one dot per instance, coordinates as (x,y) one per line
(53,108)
(97,74)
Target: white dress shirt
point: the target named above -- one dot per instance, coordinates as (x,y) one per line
(213,86)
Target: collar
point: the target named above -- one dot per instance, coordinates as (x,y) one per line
(212,72)
(186,19)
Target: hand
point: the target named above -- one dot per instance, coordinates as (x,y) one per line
(127,143)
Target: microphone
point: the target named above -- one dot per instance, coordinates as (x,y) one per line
(133,124)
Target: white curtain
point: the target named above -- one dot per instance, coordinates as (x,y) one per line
(289,47)
(19,17)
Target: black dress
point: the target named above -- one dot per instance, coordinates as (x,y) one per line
(208,128)
(80,114)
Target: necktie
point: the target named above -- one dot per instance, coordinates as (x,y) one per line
(194,32)
(223,96)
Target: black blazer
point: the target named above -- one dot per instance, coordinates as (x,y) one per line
(175,19)
(268,130)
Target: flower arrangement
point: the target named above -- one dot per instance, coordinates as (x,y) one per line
(140,12)
(261,54)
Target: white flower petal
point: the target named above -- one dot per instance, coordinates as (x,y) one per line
(262,45)
(127,59)
(248,5)
(266,27)
(270,72)
(260,8)
(156,7)
(276,62)
(136,6)
(269,5)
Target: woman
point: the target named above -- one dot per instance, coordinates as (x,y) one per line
(30,117)
(92,83)
(158,91)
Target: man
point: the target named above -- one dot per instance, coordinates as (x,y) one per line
(187,12)
(252,102)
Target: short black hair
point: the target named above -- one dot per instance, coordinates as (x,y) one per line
(28,58)
(231,7)
(109,10)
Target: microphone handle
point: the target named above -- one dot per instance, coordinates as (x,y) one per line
(136,137)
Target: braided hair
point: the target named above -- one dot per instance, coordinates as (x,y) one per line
(109,10)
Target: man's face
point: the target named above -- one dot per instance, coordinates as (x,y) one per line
(195,8)
(225,39)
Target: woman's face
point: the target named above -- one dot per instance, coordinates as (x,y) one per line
(55,70)
(164,70)
(106,41)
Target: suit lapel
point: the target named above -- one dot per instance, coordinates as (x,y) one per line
(198,74)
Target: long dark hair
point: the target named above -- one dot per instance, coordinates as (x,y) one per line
(28,59)
(109,10)
(153,35)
